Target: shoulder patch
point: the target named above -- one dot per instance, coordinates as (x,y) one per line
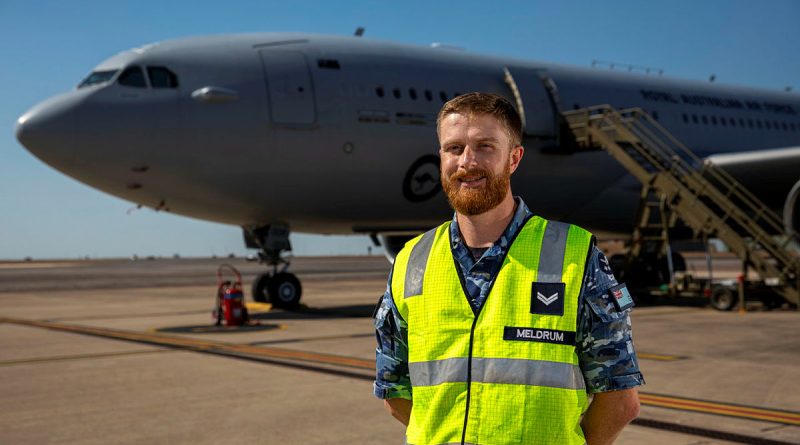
(621,297)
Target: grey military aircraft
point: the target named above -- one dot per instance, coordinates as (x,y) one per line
(336,135)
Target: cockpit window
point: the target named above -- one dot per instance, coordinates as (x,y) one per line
(97,77)
(132,77)
(161,77)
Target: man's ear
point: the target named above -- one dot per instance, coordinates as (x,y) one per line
(516,157)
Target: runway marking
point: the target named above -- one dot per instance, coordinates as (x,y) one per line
(124,316)
(660,357)
(707,432)
(256,308)
(200,345)
(57,358)
(321,338)
(35,265)
(277,355)
(724,409)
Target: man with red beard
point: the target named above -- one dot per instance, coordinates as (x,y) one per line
(497,326)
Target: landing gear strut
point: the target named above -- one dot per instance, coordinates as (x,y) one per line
(278,287)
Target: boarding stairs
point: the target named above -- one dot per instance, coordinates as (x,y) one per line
(679,185)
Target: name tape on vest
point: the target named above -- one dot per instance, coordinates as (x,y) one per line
(539,335)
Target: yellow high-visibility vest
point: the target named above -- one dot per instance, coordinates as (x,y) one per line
(508,373)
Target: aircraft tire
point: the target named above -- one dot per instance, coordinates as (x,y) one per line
(261,288)
(723,299)
(284,290)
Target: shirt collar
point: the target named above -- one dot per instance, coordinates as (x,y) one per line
(517,221)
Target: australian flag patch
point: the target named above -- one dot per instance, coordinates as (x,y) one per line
(621,297)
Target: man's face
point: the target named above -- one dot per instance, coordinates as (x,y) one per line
(477,160)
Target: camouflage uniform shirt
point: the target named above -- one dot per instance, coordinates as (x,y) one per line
(603,339)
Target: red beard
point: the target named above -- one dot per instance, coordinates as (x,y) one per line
(474,201)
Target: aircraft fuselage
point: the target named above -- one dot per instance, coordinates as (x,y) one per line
(337,134)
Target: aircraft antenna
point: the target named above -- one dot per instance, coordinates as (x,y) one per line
(359,31)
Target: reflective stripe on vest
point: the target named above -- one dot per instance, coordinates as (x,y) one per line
(497,370)
(501,374)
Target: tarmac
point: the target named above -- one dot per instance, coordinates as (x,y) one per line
(125,352)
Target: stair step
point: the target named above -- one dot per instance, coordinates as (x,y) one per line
(641,144)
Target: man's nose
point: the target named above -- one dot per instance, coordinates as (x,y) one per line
(468,157)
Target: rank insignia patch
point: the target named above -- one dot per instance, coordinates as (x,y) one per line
(547,298)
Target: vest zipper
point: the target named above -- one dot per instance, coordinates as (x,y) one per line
(469,378)
(477,312)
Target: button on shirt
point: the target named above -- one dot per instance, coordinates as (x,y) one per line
(603,336)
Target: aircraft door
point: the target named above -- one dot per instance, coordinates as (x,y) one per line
(291,93)
(533,91)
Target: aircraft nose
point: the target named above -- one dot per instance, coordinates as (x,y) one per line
(48,129)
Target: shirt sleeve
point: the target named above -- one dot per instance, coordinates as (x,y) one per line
(604,340)
(391,355)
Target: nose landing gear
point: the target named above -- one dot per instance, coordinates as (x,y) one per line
(278,287)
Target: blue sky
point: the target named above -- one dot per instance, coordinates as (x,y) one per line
(48,47)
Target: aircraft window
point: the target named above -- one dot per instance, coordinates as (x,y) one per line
(428,95)
(685,118)
(723,121)
(413,93)
(714,120)
(457,94)
(97,77)
(750,123)
(705,119)
(379,91)
(792,126)
(758,123)
(132,77)
(733,122)
(161,77)
(741,122)
(694,118)
(768,125)
(655,115)
(329,64)
(396,93)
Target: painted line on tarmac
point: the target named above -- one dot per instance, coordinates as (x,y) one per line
(707,432)
(222,348)
(305,339)
(724,409)
(660,357)
(252,307)
(286,356)
(126,316)
(58,358)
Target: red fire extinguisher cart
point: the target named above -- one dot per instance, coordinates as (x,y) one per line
(230,308)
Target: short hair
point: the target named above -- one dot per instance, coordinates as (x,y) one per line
(485,103)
